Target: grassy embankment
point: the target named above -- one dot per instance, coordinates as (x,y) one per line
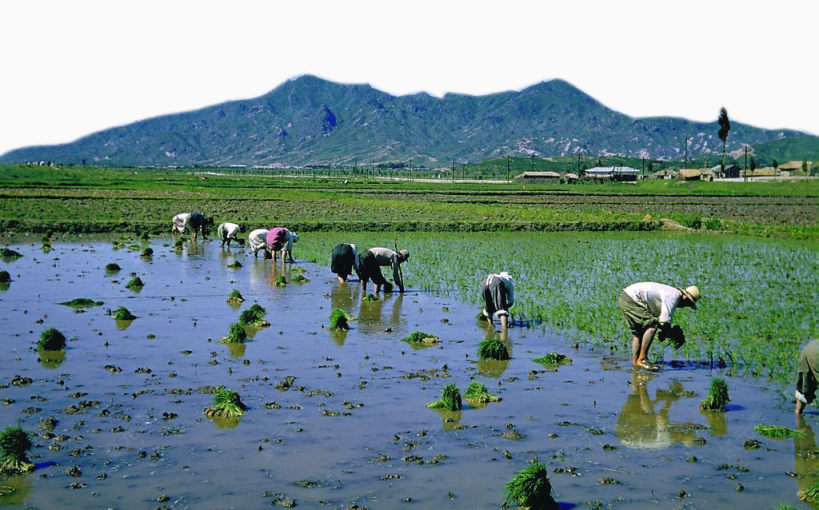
(108,200)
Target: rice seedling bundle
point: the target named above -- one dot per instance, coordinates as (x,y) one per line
(14,444)
(226,404)
(450,399)
(493,348)
(531,488)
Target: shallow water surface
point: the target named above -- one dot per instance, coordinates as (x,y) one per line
(351,428)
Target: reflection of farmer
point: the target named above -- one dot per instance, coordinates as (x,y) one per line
(369,266)
(805,458)
(258,241)
(640,426)
(807,375)
(227,232)
(280,239)
(647,306)
(498,295)
(370,314)
(343,261)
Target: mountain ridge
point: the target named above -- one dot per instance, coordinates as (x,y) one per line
(308,121)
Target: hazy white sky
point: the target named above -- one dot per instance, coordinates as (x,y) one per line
(69,68)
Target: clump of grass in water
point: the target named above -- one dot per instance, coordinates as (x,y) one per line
(123,314)
(553,358)
(51,340)
(450,399)
(135,283)
(14,444)
(226,404)
(235,265)
(252,317)
(147,252)
(281,281)
(811,494)
(5,277)
(81,303)
(419,337)
(370,297)
(477,393)
(777,432)
(299,279)
(339,319)
(493,348)
(46,247)
(531,488)
(297,269)
(236,334)
(179,244)
(6,253)
(235,297)
(112,267)
(717,396)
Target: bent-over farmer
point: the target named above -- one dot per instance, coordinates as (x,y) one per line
(343,261)
(227,232)
(198,222)
(180,222)
(498,295)
(369,267)
(648,306)
(258,241)
(280,239)
(807,375)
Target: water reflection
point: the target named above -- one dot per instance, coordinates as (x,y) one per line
(492,367)
(344,295)
(805,455)
(370,315)
(51,359)
(640,425)
(14,490)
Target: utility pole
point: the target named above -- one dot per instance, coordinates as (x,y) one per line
(685,162)
(746,162)
(507,168)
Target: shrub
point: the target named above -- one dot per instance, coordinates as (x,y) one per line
(531,488)
(477,393)
(51,340)
(691,220)
(14,444)
(493,348)
(450,399)
(123,314)
(236,334)
(226,404)
(713,224)
(717,396)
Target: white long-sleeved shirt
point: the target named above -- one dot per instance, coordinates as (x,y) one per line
(662,300)
(257,239)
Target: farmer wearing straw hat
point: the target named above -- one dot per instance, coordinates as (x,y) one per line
(498,295)
(648,306)
(807,375)
(369,266)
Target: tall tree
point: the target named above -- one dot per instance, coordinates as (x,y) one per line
(724,127)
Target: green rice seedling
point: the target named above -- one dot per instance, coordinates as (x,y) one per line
(785,506)
(299,279)
(7,254)
(477,394)
(235,298)
(226,404)
(421,338)
(811,494)
(236,334)
(81,303)
(297,269)
(777,432)
(112,267)
(450,399)
(51,340)
(135,283)
(123,314)
(553,359)
(134,247)
(5,277)
(14,444)
(46,247)
(179,244)
(147,252)
(717,396)
(235,265)
(252,317)
(281,281)
(493,348)
(370,297)
(46,237)
(339,319)
(531,488)
(145,236)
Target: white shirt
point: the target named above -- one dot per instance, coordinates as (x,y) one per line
(662,300)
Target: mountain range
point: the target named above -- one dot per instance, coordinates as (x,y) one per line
(311,121)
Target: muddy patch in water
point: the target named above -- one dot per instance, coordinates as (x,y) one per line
(338,417)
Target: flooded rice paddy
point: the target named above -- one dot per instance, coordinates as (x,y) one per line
(338,419)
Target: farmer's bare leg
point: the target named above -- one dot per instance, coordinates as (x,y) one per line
(504,319)
(341,279)
(635,349)
(645,344)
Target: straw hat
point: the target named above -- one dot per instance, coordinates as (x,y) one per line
(693,295)
(404,254)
